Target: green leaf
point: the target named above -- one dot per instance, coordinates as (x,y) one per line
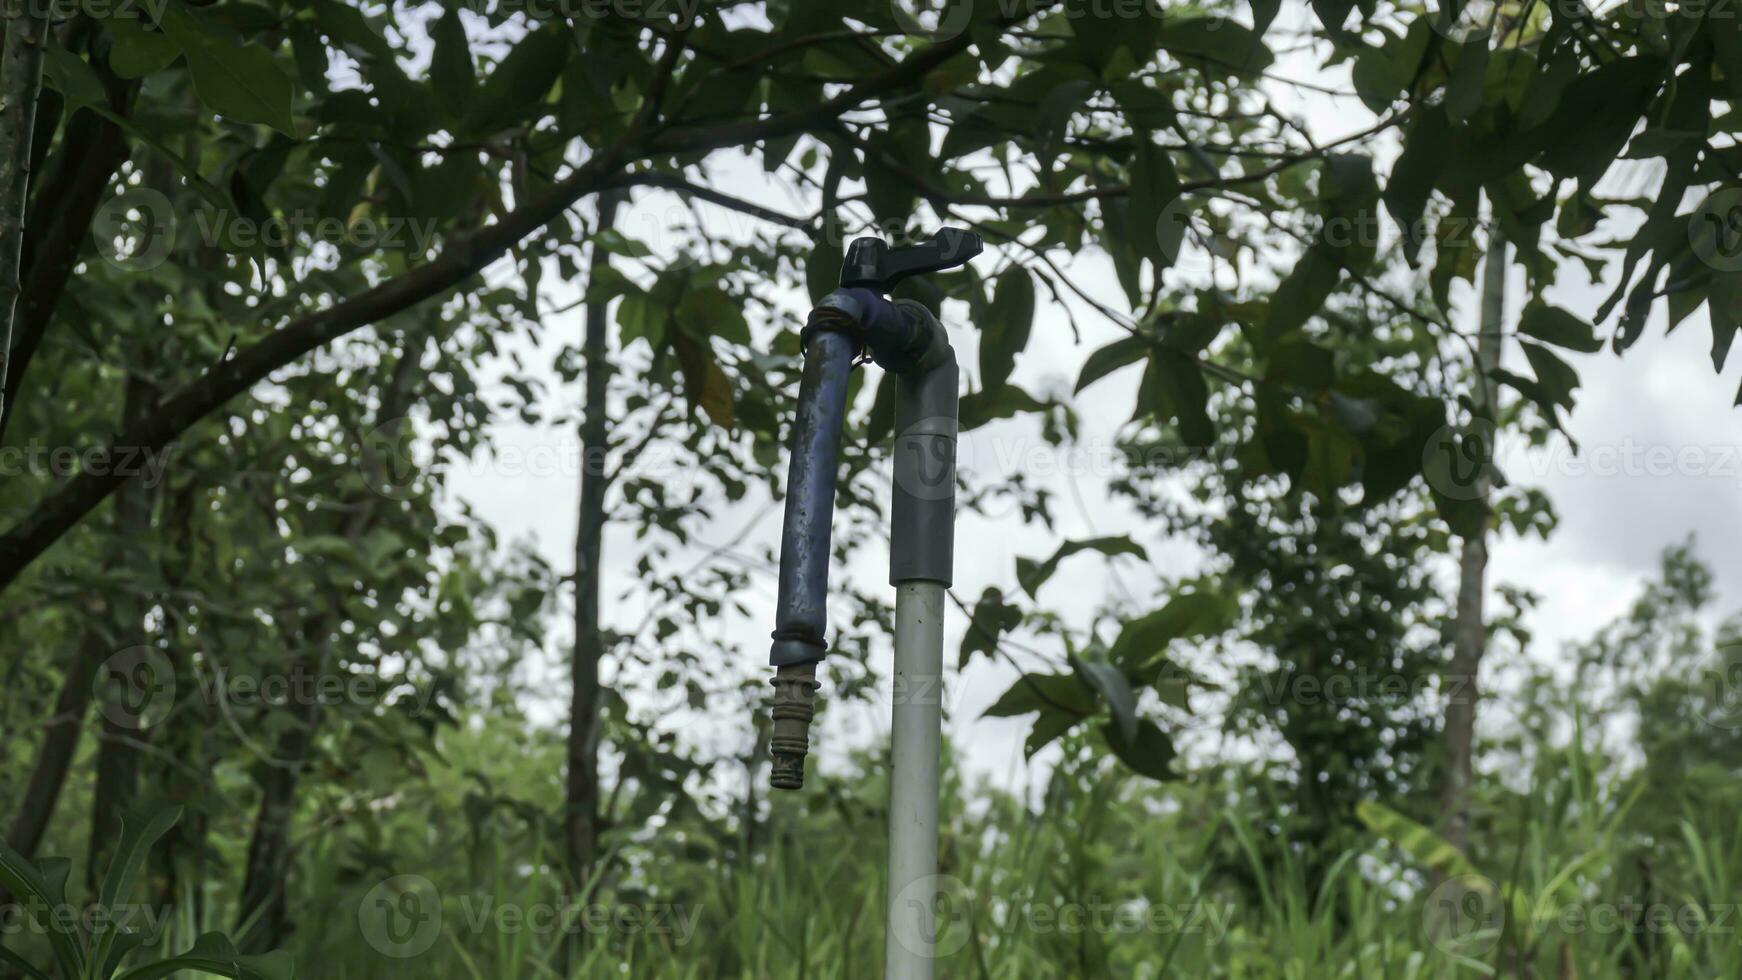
(640,317)
(711,312)
(822,271)
(135,52)
(1301,294)
(705,383)
(1154,188)
(140,829)
(1425,847)
(1149,752)
(991,619)
(1219,45)
(517,86)
(1120,353)
(1555,377)
(1173,387)
(239,81)
(1553,325)
(1426,150)
(1000,403)
(1110,684)
(26,880)
(1031,575)
(1004,333)
(1187,615)
(1045,692)
(1048,727)
(1464,90)
(23,965)
(450,67)
(73,78)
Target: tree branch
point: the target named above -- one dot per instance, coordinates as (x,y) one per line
(678,185)
(462,258)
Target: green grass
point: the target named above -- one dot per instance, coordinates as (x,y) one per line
(1116,878)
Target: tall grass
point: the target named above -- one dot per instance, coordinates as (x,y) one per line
(1112,877)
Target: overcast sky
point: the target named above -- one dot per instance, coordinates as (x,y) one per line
(1661,460)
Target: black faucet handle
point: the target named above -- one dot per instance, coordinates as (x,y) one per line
(873,264)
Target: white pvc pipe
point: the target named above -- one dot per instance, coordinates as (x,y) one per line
(917,718)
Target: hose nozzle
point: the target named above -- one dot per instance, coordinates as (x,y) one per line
(795,692)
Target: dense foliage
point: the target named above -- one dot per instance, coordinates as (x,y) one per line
(273,270)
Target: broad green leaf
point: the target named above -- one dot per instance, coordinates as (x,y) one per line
(135,52)
(239,81)
(1110,684)
(1150,752)
(1155,187)
(1426,150)
(516,87)
(705,383)
(450,68)
(26,880)
(1553,325)
(1217,44)
(1427,848)
(1031,575)
(24,966)
(1048,727)
(991,619)
(1464,91)
(1006,326)
(1001,403)
(1556,378)
(1045,692)
(140,829)
(72,77)
(1188,615)
(1106,360)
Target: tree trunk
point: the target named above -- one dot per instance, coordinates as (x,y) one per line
(580,821)
(1470,629)
(122,724)
(263,917)
(20,84)
(59,744)
(264,912)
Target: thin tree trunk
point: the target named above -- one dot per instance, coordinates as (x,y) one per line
(264,913)
(122,726)
(1470,628)
(580,821)
(59,744)
(265,906)
(20,84)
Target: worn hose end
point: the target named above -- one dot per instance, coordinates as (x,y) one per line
(795,692)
